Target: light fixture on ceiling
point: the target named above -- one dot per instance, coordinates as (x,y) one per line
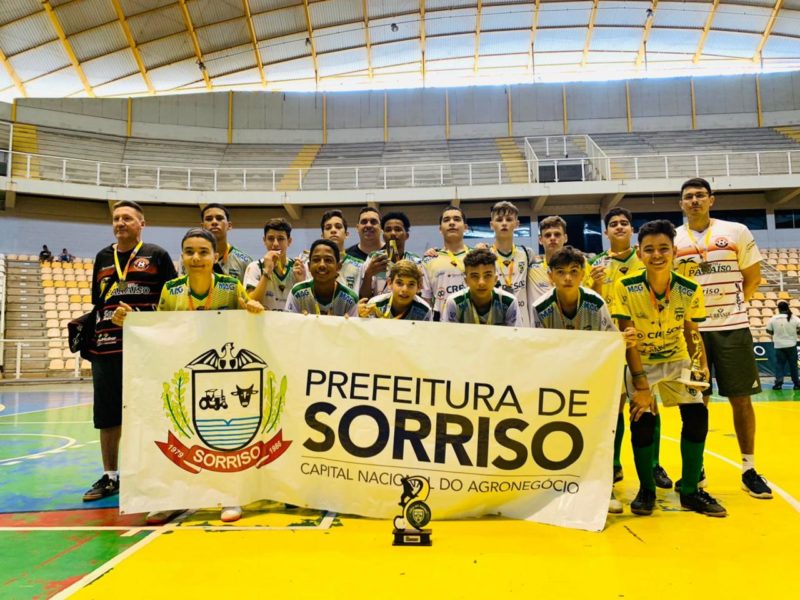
(394,27)
(308,41)
(201,65)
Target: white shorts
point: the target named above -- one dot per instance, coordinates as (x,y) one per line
(661,377)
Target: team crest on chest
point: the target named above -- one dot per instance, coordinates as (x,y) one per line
(140,264)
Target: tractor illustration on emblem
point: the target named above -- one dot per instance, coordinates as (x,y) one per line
(213,399)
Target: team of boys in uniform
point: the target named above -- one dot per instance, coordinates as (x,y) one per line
(659,307)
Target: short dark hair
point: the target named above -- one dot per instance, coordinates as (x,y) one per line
(696,182)
(278,224)
(199,232)
(615,212)
(328,244)
(657,227)
(215,205)
(127,204)
(565,257)
(479,257)
(368,209)
(453,207)
(397,216)
(329,214)
(552,223)
(504,207)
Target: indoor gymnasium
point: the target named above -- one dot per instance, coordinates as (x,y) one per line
(611,186)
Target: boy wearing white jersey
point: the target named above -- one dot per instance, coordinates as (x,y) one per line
(323,294)
(552,237)
(482,302)
(513,261)
(334,228)
(723,258)
(270,279)
(445,268)
(216,218)
(571,306)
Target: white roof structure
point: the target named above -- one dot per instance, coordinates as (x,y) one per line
(117,48)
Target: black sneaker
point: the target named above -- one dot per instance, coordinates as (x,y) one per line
(700,484)
(102,488)
(644,503)
(618,475)
(702,502)
(777,387)
(662,479)
(755,485)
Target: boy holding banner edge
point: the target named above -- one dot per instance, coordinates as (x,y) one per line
(200,289)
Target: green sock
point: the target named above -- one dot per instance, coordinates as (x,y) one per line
(692,457)
(643,459)
(618,439)
(656,440)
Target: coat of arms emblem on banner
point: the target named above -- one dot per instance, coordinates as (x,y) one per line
(231,403)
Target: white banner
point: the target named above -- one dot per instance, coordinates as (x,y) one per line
(226,408)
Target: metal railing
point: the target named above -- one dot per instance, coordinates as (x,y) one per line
(597,166)
(13,370)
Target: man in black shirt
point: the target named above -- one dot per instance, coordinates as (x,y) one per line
(132,272)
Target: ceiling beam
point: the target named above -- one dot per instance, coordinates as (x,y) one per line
(589,32)
(778,197)
(767,30)
(254,40)
(478,36)
(187,19)
(67,47)
(706,29)
(534,27)
(134,48)
(422,37)
(310,40)
(610,201)
(13,74)
(648,25)
(366,37)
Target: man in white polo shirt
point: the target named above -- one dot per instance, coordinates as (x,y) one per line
(723,258)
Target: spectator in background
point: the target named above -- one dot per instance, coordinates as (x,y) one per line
(45,255)
(65,256)
(783,328)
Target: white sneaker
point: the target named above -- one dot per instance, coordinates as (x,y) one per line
(614,506)
(159,517)
(231,513)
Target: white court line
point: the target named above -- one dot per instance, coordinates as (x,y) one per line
(107,566)
(44,422)
(775,488)
(70,442)
(327,520)
(30,412)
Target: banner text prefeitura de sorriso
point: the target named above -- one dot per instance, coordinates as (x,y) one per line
(227,408)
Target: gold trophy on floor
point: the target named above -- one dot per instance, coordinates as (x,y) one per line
(695,376)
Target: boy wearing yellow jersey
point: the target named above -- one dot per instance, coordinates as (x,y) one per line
(665,309)
(402,302)
(200,289)
(614,264)
(445,265)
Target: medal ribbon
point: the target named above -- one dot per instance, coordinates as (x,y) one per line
(454,260)
(508,278)
(333,297)
(209,296)
(706,241)
(122,275)
(575,323)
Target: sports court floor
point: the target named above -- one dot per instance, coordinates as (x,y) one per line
(54,545)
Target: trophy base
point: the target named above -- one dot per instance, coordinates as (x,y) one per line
(686,379)
(412,537)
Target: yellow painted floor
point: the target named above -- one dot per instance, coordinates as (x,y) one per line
(282,553)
